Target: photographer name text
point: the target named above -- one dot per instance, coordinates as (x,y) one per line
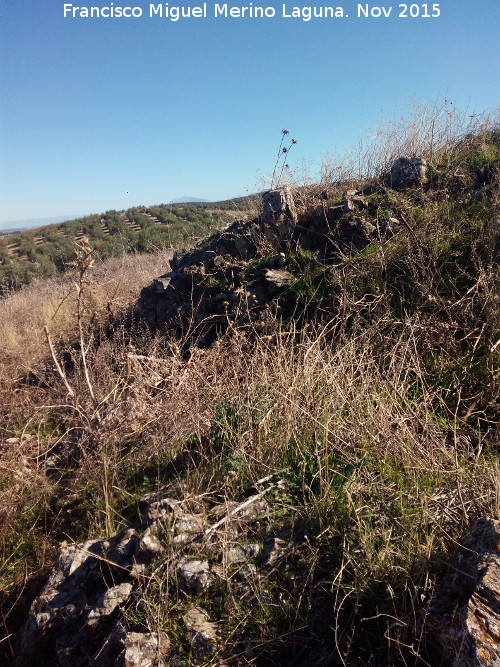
(361,11)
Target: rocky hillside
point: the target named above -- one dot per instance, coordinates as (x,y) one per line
(286,453)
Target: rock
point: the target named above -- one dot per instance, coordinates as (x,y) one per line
(150,544)
(242,245)
(335,212)
(145,649)
(278,202)
(251,550)
(181,295)
(391,227)
(218,261)
(277,261)
(236,555)
(161,283)
(192,274)
(109,601)
(256,506)
(236,514)
(248,571)
(352,201)
(274,548)
(221,509)
(279,215)
(359,201)
(406,172)
(358,231)
(464,614)
(158,505)
(62,619)
(277,280)
(197,574)
(202,633)
(191,524)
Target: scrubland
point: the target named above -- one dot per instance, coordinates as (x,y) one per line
(372,401)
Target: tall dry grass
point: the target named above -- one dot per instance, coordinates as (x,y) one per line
(358,412)
(425,130)
(115,285)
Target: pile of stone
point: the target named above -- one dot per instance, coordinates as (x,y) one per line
(220,280)
(83,614)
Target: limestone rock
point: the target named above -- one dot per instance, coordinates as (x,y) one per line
(278,202)
(390,227)
(202,633)
(356,230)
(464,614)
(161,283)
(277,261)
(279,215)
(159,505)
(352,201)
(240,554)
(274,549)
(406,172)
(243,513)
(248,571)
(108,602)
(197,574)
(61,622)
(145,649)
(150,543)
(277,280)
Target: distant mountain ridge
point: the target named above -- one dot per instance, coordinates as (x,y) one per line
(189,200)
(29,223)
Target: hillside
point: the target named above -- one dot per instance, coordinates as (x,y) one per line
(280,447)
(44,251)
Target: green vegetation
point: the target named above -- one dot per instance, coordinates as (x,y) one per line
(44,252)
(371,400)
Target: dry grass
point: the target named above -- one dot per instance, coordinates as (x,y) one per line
(51,302)
(347,421)
(358,411)
(428,130)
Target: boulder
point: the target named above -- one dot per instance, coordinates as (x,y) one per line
(464,615)
(406,172)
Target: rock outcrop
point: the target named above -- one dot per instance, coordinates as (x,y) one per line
(406,172)
(84,614)
(236,274)
(216,276)
(464,615)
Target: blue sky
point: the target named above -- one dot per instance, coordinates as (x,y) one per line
(110,113)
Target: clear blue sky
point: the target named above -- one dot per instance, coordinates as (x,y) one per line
(111,113)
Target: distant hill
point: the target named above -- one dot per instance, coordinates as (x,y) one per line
(189,200)
(20,225)
(43,250)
